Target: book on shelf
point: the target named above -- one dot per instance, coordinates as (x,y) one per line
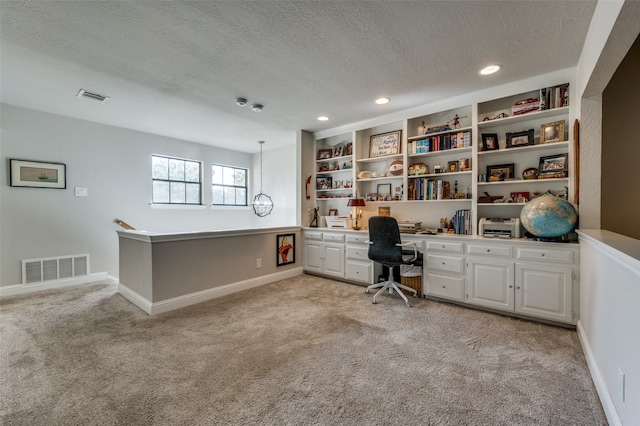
(410,227)
(554,97)
(437,143)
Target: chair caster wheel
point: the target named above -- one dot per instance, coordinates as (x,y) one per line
(366,292)
(373,301)
(408,305)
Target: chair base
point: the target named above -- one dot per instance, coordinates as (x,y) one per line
(391,286)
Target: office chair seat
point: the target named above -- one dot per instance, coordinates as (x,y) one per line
(386,248)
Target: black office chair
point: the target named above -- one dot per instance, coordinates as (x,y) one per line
(385,247)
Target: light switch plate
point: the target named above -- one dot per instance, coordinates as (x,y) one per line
(82,192)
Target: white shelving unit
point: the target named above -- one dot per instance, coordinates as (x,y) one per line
(366,176)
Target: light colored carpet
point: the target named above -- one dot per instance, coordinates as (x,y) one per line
(306,350)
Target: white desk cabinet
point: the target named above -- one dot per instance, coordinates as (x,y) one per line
(324,253)
(490,283)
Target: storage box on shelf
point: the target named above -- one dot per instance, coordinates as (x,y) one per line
(524,155)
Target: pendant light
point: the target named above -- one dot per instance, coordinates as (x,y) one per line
(262,204)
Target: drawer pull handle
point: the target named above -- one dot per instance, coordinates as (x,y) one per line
(543,254)
(444,263)
(444,286)
(518,288)
(444,246)
(510,286)
(488,250)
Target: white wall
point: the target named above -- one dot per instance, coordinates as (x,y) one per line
(115,165)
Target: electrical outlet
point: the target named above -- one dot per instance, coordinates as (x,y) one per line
(621,378)
(81,192)
(259,262)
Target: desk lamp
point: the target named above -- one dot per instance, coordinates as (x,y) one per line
(356,202)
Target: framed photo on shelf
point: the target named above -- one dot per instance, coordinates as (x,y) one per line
(285,249)
(348,148)
(553,166)
(370,196)
(338,150)
(324,182)
(37,174)
(552,132)
(384,211)
(384,192)
(324,154)
(333,212)
(519,139)
(385,144)
(490,142)
(500,172)
(519,197)
(452,167)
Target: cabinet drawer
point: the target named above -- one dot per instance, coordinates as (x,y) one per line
(336,238)
(358,252)
(489,250)
(360,271)
(445,286)
(545,255)
(357,239)
(313,236)
(445,246)
(445,263)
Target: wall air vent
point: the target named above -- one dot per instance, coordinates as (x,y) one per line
(54,268)
(85,94)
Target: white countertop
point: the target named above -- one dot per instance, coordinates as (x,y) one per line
(155,237)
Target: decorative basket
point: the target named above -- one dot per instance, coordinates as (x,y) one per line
(414,282)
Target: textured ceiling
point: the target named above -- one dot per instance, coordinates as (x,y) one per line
(175,68)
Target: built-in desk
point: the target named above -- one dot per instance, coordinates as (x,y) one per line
(160,272)
(519,276)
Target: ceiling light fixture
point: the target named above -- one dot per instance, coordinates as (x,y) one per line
(382,101)
(489,69)
(241,102)
(256,108)
(323,118)
(262,203)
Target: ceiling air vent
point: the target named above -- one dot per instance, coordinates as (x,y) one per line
(85,94)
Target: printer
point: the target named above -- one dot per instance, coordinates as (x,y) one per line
(499,228)
(337,222)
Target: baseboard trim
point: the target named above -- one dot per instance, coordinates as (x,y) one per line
(601,387)
(12,290)
(155,308)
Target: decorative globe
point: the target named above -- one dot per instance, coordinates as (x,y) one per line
(548,216)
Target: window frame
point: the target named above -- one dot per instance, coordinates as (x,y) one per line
(184,181)
(245,187)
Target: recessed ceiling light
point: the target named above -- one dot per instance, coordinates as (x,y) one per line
(323,118)
(489,69)
(241,102)
(256,108)
(382,101)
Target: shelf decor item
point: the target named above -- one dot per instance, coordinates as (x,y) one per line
(553,166)
(384,192)
(324,182)
(452,166)
(552,132)
(338,150)
(519,139)
(385,144)
(396,168)
(530,173)
(37,174)
(500,172)
(348,148)
(490,142)
(324,154)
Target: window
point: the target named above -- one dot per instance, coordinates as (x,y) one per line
(176,181)
(229,185)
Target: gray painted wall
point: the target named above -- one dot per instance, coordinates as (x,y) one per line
(115,165)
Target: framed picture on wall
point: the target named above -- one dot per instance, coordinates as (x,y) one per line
(286,249)
(37,174)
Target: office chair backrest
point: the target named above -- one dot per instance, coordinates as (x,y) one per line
(384,234)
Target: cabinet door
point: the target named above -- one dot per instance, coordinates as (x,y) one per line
(490,283)
(313,256)
(544,291)
(334,260)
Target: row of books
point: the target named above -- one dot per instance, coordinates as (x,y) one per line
(429,189)
(407,227)
(439,143)
(554,97)
(462,222)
